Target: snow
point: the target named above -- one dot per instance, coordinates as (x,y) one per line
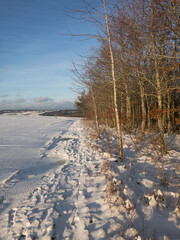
(24,142)
(59,182)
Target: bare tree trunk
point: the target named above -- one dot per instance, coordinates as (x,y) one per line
(118,125)
(132,116)
(164,113)
(158,85)
(159,97)
(168,113)
(128,109)
(148,113)
(143,108)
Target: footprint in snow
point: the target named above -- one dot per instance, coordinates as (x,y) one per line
(11,216)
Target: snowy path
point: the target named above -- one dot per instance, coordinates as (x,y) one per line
(65,205)
(92,197)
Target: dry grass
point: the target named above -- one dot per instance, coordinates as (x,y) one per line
(106,168)
(149,144)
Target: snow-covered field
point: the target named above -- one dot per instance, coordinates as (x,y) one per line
(59,182)
(25,144)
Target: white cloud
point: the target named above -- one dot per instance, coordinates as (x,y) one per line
(4,95)
(40,103)
(19,100)
(42,99)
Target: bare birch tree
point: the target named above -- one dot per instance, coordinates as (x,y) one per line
(118,125)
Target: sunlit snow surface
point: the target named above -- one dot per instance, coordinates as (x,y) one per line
(24,140)
(90,196)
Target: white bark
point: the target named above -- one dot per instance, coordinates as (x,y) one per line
(118,125)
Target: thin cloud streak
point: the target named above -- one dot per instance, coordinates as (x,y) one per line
(40,103)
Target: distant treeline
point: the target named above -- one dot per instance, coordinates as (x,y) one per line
(58,113)
(14,112)
(63,113)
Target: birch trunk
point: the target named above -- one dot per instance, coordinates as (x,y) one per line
(143,109)
(159,98)
(158,85)
(128,109)
(148,112)
(168,113)
(118,125)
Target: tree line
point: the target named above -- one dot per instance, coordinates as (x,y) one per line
(131,80)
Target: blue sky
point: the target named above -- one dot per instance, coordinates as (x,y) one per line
(35,59)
